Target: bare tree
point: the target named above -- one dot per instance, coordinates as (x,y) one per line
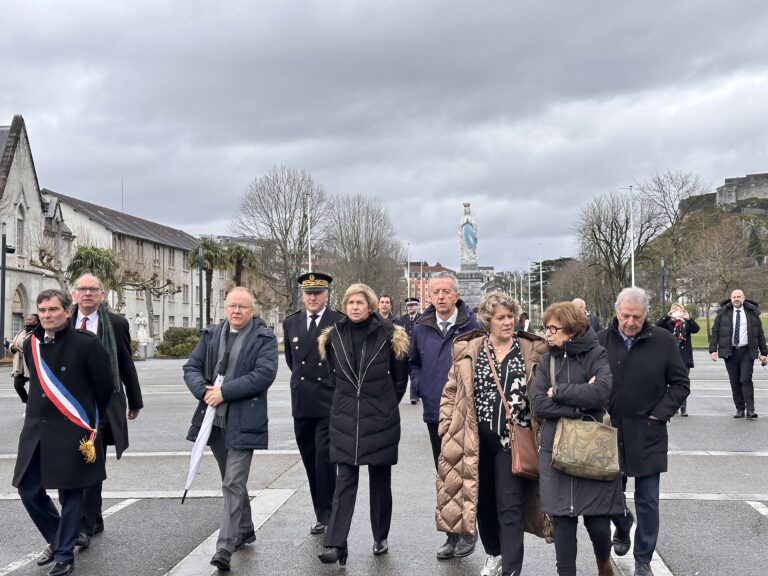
(363,247)
(603,229)
(275,208)
(665,196)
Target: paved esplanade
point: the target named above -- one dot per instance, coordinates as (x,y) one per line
(713,509)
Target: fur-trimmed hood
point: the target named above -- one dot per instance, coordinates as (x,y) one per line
(400,340)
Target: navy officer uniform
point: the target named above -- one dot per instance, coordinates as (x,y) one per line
(312,391)
(407,321)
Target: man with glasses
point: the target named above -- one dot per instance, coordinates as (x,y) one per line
(312,391)
(90,313)
(232,367)
(431,345)
(650,383)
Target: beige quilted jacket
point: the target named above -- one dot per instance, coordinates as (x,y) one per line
(457,470)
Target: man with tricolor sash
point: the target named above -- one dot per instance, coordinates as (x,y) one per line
(69,387)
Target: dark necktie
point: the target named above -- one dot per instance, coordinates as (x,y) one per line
(84,323)
(444,328)
(628,343)
(312,325)
(47,339)
(737,330)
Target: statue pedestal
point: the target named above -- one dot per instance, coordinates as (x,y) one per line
(470,286)
(146,350)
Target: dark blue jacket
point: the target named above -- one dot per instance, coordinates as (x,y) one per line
(431,356)
(246,392)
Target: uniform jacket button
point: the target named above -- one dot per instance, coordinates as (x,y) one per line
(302,378)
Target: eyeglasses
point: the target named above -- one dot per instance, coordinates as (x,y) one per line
(238,307)
(84,289)
(551,329)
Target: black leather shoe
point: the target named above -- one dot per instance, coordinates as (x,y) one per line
(739,414)
(83,541)
(61,569)
(448,550)
(642,569)
(317,528)
(334,554)
(751,414)
(380,547)
(243,538)
(46,556)
(465,546)
(221,559)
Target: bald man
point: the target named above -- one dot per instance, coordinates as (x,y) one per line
(593,320)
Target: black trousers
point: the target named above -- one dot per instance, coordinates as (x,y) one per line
(414,389)
(91,520)
(434,441)
(345,495)
(599,530)
(740,366)
(314,446)
(18,384)
(60,531)
(501,500)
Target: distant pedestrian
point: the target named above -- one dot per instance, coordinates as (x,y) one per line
(678,321)
(244,351)
(474,471)
(523,323)
(20,372)
(312,391)
(407,321)
(650,383)
(594,321)
(368,361)
(69,387)
(431,344)
(582,389)
(738,338)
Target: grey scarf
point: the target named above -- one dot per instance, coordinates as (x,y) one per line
(220,419)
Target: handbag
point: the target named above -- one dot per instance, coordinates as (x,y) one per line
(522,441)
(584,448)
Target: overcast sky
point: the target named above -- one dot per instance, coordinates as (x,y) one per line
(524,109)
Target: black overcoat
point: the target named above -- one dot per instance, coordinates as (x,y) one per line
(682,335)
(406,322)
(722,330)
(365,418)
(117,423)
(576,363)
(79,361)
(311,386)
(648,380)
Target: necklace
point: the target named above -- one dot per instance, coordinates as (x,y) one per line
(500,350)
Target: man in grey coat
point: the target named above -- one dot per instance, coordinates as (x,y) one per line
(243,351)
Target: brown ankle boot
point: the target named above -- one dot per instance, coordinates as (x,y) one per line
(604,567)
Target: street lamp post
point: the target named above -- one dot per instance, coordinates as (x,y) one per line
(309,234)
(200,265)
(541,285)
(5,250)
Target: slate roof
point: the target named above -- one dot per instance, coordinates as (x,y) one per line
(128,225)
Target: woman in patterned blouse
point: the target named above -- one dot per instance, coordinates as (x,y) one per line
(475,440)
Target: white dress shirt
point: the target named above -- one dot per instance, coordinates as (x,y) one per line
(93,321)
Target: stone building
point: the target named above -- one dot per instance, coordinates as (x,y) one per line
(736,189)
(45,227)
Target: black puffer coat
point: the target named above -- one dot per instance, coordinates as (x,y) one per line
(365,418)
(648,380)
(576,363)
(722,330)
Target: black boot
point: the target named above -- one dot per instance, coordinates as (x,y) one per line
(334,554)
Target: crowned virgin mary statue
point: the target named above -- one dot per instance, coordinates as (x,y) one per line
(468,237)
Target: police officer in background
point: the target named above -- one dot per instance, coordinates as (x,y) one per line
(406,321)
(311,390)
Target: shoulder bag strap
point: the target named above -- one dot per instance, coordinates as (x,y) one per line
(498,382)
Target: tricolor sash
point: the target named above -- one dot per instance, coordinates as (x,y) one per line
(65,402)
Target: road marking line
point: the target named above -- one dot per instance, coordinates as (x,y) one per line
(145,494)
(111,454)
(625,565)
(759,506)
(704,497)
(263,507)
(756,454)
(13,566)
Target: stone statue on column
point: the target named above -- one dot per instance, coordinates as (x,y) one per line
(468,237)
